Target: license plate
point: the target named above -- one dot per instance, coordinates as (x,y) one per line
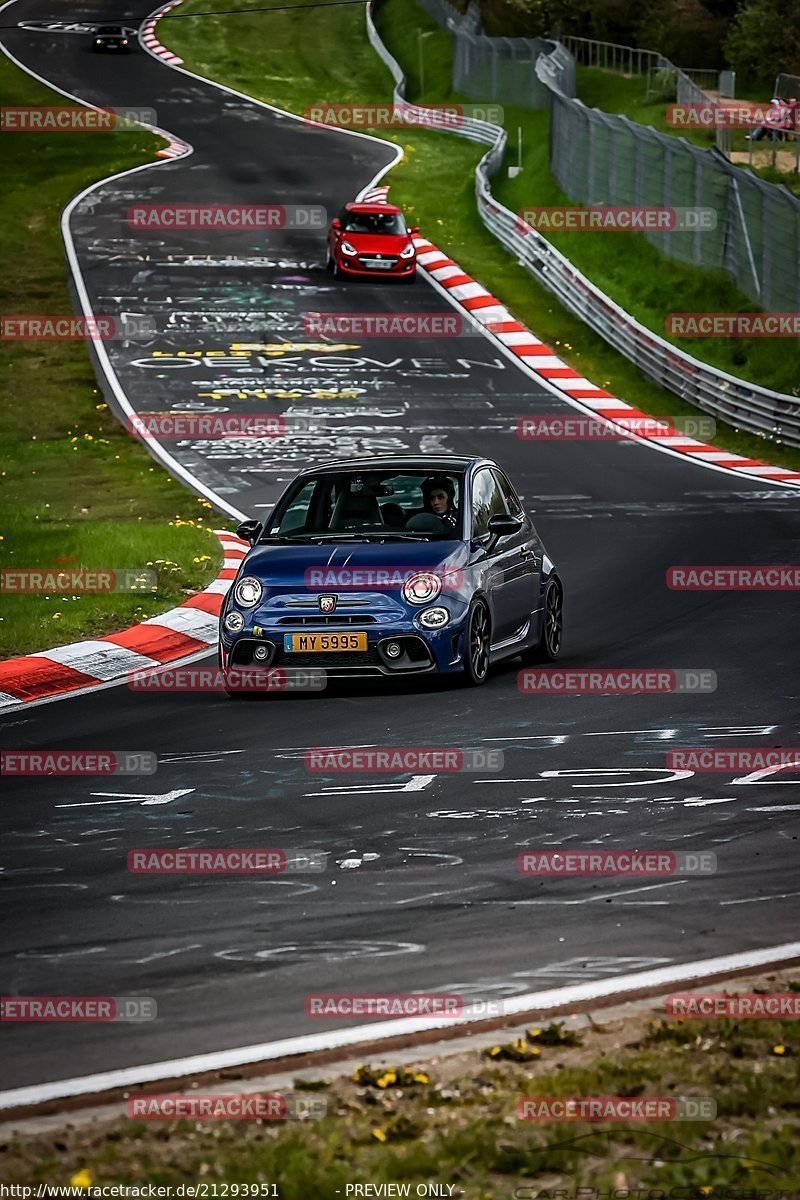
(378,265)
(319,643)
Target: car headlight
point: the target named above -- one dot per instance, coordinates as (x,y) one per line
(434,618)
(349,250)
(234,622)
(247,592)
(409,251)
(422,588)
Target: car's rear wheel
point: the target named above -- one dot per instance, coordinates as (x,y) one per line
(476,654)
(548,647)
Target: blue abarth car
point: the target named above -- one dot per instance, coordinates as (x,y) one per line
(393,566)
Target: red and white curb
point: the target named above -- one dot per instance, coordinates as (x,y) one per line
(175,148)
(374,195)
(147,35)
(490,312)
(179,633)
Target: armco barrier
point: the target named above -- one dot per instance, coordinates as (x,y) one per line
(745,405)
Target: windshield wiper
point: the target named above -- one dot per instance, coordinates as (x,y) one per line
(343,537)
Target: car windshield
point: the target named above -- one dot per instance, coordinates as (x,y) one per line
(110,29)
(385,505)
(377,222)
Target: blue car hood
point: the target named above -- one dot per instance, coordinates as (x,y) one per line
(285,565)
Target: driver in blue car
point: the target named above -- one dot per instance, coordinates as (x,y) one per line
(438,495)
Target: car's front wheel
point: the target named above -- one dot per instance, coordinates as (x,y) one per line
(548,647)
(476,654)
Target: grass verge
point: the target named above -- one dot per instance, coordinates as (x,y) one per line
(454,1121)
(327,57)
(77,493)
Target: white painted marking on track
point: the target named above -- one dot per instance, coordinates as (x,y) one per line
(699,802)
(608,895)
(131,798)
(417,783)
(167,953)
(758,899)
(772,808)
(432,895)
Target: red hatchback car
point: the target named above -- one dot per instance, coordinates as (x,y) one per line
(372,239)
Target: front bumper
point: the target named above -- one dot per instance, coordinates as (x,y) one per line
(385,621)
(399,270)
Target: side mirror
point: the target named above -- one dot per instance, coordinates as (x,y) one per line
(414,229)
(336,223)
(250,531)
(503,525)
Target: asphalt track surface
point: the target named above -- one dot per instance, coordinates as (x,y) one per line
(422,890)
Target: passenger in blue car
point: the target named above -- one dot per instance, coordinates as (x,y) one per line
(439,498)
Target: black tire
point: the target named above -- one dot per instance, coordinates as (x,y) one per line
(409,279)
(548,648)
(476,653)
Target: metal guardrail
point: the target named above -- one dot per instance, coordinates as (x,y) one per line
(744,405)
(693,85)
(612,56)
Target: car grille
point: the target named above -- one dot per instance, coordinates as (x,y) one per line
(362,658)
(321,620)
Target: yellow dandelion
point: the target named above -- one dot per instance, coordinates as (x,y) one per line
(82,1179)
(379,1135)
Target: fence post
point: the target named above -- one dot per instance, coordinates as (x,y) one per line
(698,199)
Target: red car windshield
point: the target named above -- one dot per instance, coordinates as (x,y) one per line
(379,222)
